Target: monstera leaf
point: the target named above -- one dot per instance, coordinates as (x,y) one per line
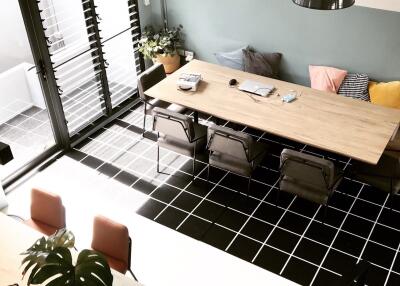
(51,264)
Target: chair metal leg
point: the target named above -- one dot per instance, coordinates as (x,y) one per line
(325,213)
(158,159)
(208,173)
(194,160)
(277,197)
(248,186)
(144,119)
(133,275)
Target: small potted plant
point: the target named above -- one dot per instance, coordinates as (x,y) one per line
(50,263)
(162,46)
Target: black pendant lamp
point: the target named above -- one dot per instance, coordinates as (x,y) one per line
(325,4)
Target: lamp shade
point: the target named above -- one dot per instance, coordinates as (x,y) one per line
(5,154)
(325,4)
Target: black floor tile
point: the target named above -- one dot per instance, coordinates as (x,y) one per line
(109,170)
(186,201)
(350,187)
(394,280)
(271,162)
(244,248)
(333,217)
(268,213)
(266,176)
(209,211)
(374,195)
(179,180)
(299,271)
(326,278)
(339,262)
(349,243)
(126,178)
(321,233)
(271,259)
(222,195)
(304,207)
(341,201)
(92,162)
(218,237)
(144,186)
(257,229)
(283,200)
(151,209)
(215,175)
(200,188)
(294,223)
(390,218)
(194,227)
(386,236)
(366,210)
(244,204)
(171,217)
(379,255)
(283,240)
(235,182)
(376,276)
(358,226)
(396,265)
(311,251)
(76,155)
(165,193)
(232,219)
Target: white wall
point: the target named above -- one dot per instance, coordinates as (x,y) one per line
(390,5)
(14,45)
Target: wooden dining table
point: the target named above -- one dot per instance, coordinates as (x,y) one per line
(342,125)
(15,238)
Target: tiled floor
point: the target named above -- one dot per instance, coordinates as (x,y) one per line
(288,239)
(28,133)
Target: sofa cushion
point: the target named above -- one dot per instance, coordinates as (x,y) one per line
(232,59)
(264,64)
(386,94)
(355,85)
(326,78)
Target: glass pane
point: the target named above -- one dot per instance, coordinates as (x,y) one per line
(24,120)
(121,72)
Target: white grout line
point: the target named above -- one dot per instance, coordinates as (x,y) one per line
(391,266)
(336,235)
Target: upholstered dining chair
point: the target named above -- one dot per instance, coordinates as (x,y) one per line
(112,240)
(234,151)
(384,176)
(178,133)
(47,212)
(148,79)
(309,177)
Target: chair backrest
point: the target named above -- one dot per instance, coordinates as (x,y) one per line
(149,78)
(173,124)
(228,141)
(47,208)
(307,169)
(111,238)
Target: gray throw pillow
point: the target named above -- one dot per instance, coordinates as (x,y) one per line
(232,59)
(355,85)
(264,64)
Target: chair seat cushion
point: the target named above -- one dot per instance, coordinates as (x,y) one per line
(163,104)
(230,163)
(41,227)
(304,191)
(117,264)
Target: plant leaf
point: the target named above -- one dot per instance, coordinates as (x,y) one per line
(92,266)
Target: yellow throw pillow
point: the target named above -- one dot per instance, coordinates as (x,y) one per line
(386,94)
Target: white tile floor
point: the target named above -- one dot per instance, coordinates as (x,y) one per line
(160,256)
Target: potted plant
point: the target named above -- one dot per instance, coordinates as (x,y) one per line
(50,263)
(162,46)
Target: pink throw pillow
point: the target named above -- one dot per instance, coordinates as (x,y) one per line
(326,78)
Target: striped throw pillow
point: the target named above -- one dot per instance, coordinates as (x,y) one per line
(356,86)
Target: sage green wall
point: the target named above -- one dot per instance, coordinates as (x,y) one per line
(357,39)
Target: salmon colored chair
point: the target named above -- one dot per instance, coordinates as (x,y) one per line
(47,212)
(112,240)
